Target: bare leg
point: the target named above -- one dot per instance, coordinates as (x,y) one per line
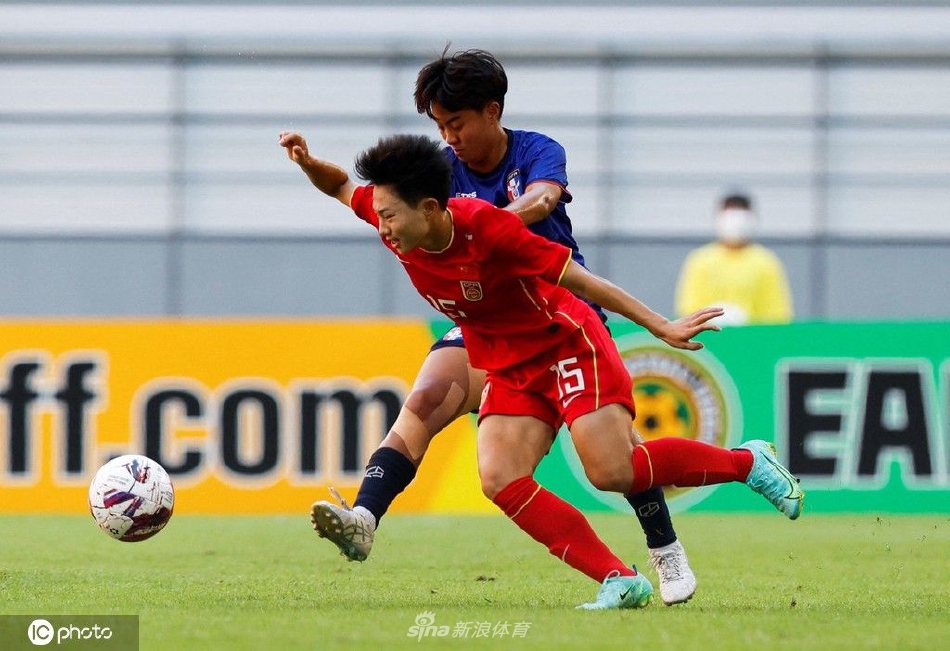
(509,450)
(445,388)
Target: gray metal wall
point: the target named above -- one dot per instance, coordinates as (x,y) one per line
(139,171)
(220,276)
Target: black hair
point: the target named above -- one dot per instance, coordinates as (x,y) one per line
(465,80)
(736,200)
(414,166)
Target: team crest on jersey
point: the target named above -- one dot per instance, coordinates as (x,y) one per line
(513,185)
(471,290)
(454,334)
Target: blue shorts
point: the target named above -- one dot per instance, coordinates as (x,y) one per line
(451,339)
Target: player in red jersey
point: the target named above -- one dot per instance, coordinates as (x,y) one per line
(523,172)
(548,357)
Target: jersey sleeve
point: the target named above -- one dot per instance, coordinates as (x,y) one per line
(547,162)
(362,204)
(521,252)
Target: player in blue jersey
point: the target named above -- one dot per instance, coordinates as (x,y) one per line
(525,173)
(531,176)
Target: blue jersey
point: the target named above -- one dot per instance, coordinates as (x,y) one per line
(530,157)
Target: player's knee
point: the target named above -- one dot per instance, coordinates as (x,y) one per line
(493,481)
(609,476)
(425,399)
(490,488)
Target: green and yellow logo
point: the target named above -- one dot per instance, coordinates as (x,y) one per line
(676,396)
(681,393)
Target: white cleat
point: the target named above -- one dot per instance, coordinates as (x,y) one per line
(677,581)
(351,530)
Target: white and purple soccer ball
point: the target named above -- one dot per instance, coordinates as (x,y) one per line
(131,498)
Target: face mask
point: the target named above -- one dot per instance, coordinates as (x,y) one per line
(735,225)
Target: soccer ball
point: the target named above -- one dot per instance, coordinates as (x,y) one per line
(131,498)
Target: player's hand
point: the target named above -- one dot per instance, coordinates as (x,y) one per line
(679,333)
(296,147)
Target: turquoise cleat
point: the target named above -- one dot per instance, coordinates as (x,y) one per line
(772,480)
(621,592)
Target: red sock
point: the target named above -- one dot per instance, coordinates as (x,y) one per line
(560,527)
(673,461)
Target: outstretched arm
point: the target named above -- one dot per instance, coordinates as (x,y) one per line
(537,202)
(329,178)
(677,334)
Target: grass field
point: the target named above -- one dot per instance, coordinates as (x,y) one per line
(821,583)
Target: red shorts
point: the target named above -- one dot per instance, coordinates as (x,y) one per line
(576,376)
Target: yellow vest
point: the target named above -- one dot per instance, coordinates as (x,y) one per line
(749,282)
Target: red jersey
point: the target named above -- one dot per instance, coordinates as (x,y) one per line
(496,280)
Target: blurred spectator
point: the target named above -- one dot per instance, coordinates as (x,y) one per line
(745,278)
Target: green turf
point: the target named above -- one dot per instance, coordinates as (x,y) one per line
(822,583)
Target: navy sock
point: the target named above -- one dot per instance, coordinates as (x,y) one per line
(654,516)
(387,474)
